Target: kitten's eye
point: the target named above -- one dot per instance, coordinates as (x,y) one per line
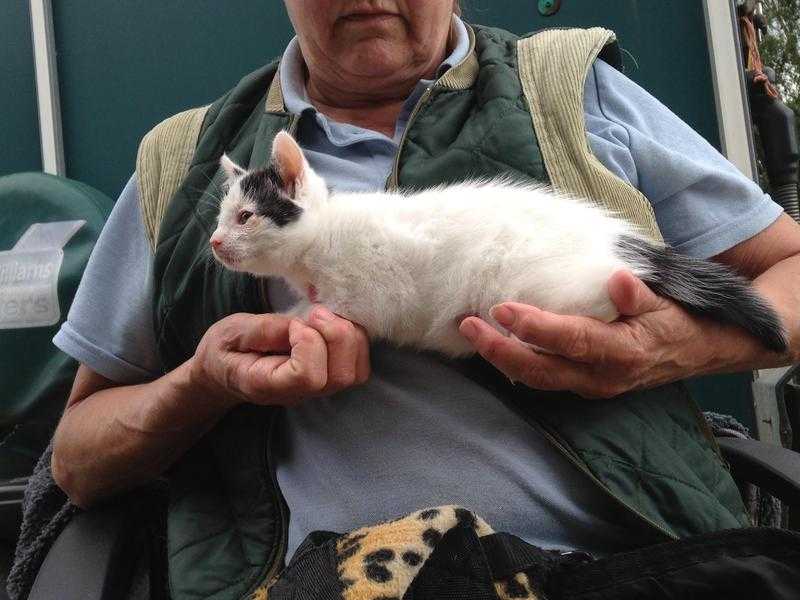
(243,216)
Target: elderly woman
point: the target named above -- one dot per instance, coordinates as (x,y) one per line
(402,92)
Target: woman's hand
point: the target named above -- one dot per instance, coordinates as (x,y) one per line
(654,341)
(276,360)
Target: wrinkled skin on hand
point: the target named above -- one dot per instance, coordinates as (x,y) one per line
(277,360)
(653,342)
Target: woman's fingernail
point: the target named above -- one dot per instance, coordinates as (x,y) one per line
(468,330)
(503,315)
(323,314)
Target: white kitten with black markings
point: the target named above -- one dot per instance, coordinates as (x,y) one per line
(409,266)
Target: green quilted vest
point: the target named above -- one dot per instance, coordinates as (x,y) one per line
(227,521)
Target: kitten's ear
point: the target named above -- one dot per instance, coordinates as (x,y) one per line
(232,170)
(289,161)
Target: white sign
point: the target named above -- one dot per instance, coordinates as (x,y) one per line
(29,275)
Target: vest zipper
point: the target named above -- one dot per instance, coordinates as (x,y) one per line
(391,182)
(275,567)
(570,455)
(280,556)
(293,122)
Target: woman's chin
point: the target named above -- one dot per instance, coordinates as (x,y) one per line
(378,58)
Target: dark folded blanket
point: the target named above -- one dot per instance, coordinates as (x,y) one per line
(46,511)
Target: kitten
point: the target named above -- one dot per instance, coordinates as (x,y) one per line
(409,266)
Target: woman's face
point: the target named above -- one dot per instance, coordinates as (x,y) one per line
(386,39)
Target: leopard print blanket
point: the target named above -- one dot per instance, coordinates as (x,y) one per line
(380,562)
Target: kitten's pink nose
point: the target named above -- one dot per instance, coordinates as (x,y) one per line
(215,242)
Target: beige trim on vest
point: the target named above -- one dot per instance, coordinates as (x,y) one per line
(162,162)
(461,76)
(275,95)
(553,66)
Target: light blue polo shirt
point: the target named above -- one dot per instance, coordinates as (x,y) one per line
(420,433)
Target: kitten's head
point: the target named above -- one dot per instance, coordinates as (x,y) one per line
(260,214)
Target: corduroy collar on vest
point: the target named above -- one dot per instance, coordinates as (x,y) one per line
(460,77)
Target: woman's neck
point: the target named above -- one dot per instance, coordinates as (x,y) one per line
(378,116)
(368,104)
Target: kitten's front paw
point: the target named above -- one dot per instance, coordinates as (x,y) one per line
(301,310)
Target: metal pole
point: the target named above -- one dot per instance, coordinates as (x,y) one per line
(44,53)
(728,76)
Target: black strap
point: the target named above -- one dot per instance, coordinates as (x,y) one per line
(507,555)
(739,563)
(312,572)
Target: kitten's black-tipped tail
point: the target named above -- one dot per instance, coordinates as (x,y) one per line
(706,288)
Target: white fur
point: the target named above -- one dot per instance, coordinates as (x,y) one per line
(407,267)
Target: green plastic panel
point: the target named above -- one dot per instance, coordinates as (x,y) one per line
(19,122)
(664,45)
(126,65)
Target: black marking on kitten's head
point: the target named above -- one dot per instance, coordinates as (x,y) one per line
(271,196)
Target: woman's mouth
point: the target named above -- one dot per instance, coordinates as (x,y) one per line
(369,17)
